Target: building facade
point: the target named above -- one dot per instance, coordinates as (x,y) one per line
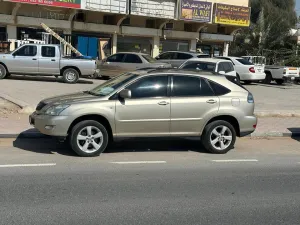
(149,26)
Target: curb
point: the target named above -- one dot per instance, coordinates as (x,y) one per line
(25,107)
(274,134)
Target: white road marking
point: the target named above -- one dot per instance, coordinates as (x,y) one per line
(236,160)
(27,165)
(140,162)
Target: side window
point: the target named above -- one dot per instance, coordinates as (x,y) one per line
(166,55)
(185,86)
(183,56)
(132,58)
(202,56)
(231,67)
(199,66)
(115,58)
(28,50)
(221,67)
(149,87)
(48,51)
(227,67)
(218,89)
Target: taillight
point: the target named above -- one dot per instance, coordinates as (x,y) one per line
(252,70)
(250,98)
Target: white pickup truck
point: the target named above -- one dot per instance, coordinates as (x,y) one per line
(281,74)
(45,60)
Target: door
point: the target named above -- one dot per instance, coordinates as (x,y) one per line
(49,60)
(132,62)
(147,112)
(24,60)
(112,66)
(192,100)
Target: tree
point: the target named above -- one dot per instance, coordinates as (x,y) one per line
(271,21)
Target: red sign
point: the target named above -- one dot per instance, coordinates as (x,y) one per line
(59,3)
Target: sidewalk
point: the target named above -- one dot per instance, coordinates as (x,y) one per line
(272,126)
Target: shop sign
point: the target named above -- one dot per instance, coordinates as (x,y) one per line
(59,3)
(195,10)
(232,15)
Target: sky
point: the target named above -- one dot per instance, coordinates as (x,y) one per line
(298,7)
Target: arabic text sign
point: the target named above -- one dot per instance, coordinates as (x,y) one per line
(60,3)
(232,15)
(196,10)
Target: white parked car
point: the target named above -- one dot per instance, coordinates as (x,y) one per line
(246,71)
(220,66)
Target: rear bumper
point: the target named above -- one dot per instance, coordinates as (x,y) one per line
(291,79)
(247,125)
(253,76)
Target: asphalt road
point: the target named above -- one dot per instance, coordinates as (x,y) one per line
(150,183)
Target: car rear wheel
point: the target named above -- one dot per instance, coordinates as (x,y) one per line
(70,76)
(238,79)
(248,82)
(268,78)
(89,138)
(219,137)
(3,71)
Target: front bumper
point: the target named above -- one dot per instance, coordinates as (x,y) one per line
(50,125)
(291,79)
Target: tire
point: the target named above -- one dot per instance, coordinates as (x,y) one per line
(3,72)
(70,76)
(83,144)
(209,136)
(279,82)
(268,79)
(248,82)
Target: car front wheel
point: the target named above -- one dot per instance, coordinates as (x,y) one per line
(89,138)
(219,137)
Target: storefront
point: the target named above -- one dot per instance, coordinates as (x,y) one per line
(213,49)
(134,44)
(173,45)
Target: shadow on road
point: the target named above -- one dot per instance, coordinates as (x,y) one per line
(47,145)
(45,79)
(295,133)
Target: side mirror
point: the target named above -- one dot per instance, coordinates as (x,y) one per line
(222,72)
(125,93)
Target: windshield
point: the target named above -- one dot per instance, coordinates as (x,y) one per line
(149,58)
(244,61)
(202,66)
(110,86)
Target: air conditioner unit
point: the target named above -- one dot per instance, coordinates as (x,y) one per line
(169,26)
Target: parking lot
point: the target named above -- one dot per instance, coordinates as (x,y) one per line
(30,90)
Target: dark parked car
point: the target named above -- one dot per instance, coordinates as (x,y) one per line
(176,58)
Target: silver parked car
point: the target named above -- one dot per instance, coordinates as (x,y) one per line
(122,62)
(150,103)
(176,58)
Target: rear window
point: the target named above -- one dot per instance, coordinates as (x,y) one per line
(218,89)
(202,56)
(244,61)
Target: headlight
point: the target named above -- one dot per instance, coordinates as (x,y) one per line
(55,110)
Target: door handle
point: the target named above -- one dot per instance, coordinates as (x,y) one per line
(163,103)
(211,101)
(34,59)
(53,60)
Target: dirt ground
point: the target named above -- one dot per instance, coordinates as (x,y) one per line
(7,108)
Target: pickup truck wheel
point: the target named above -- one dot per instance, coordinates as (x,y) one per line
(247,82)
(89,138)
(268,79)
(279,82)
(70,76)
(218,137)
(3,71)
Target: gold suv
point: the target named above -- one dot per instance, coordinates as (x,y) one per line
(151,103)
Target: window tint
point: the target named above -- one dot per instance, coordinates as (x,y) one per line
(244,61)
(48,51)
(202,66)
(202,56)
(28,50)
(221,67)
(132,58)
(185,86)
(227,67)
(115,58)
(183,56)
(167,55)
(149,87)
(218,89)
